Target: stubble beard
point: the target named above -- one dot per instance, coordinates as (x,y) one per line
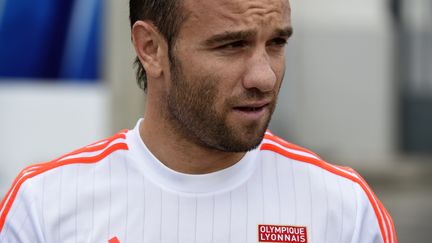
(192,114)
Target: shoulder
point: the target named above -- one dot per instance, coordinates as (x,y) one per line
(93,153)
(298,154)
(290,153)
(28,182)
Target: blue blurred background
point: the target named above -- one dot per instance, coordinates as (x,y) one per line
(51,39)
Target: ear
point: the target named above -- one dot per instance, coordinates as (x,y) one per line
(148,45)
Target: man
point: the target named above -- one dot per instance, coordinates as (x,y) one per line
(200,167)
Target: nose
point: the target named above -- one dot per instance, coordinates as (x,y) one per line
(259,73)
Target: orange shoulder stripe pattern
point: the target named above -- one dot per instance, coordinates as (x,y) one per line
(270,136)
(276,144)
(105,147)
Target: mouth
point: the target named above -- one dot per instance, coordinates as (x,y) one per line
(253,111)
(250,108)
(253,106)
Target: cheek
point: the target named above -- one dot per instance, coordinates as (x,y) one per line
(218,76)
(231,75)
(224,76)
(205,90)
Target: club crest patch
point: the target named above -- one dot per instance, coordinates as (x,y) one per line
(282,233)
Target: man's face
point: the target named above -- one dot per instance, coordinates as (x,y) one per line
(226,71)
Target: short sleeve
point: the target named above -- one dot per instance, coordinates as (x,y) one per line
(19,220)
(373,223)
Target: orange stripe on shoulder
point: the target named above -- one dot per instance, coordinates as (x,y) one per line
(94,147)
(386,216)
(105,146)
(286,144)
(383,217)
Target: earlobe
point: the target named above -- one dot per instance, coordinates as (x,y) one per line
(147,42)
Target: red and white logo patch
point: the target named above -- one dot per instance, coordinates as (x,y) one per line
(282,233)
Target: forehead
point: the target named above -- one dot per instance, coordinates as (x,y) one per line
(220,15)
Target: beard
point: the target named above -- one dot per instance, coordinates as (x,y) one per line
(192,112)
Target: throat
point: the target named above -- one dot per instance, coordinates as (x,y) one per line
(183,155)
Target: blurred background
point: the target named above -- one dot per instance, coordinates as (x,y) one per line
(357,89)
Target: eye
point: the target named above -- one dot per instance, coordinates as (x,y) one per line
(278,42)
(234,45)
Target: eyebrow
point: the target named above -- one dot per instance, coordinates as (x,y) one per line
(229,36)
(243,35)
(285,32)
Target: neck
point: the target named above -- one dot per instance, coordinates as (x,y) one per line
(179,153)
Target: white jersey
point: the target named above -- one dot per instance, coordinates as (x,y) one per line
(116,191)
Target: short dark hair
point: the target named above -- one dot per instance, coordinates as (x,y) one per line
(166,15)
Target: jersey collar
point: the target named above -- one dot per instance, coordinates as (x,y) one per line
(168,179)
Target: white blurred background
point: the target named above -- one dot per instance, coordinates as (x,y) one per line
(357,90)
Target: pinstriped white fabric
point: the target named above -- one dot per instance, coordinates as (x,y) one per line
(130,195)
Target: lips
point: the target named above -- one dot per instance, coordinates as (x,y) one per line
(252,106)
(252,111)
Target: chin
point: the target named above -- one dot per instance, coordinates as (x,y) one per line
(250,139)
